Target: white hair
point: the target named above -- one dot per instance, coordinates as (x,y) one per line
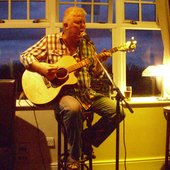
(73,11)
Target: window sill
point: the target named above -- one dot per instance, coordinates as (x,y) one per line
(134,102)
(148,102)
(27,105)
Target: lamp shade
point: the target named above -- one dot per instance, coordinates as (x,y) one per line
(161,73)
(155,71)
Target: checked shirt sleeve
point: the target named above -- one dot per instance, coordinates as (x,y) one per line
(37,52)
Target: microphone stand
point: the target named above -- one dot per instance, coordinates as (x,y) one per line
(119,98)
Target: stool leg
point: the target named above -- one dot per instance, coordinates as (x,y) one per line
(89,124)
(89,120)
(90,162)
(65,148)
(62,163)
(83,164)
(59,146)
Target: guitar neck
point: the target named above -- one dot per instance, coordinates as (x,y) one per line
(112,50)
(87,61)
(78,65)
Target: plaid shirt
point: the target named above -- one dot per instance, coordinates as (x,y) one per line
(51,48)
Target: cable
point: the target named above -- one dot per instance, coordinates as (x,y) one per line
(124,144)
(38,135)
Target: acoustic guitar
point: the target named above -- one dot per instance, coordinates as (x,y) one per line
(39,90)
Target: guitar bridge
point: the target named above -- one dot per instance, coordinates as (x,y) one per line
(46,82)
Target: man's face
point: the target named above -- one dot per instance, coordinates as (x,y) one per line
(76,25)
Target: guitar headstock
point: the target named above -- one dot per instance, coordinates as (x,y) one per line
(129,46)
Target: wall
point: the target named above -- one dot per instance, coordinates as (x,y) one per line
(143,131)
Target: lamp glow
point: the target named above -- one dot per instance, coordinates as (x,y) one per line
(157,71)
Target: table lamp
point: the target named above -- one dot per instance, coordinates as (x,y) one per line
(159,71)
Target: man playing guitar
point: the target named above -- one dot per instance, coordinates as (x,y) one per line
(64,63)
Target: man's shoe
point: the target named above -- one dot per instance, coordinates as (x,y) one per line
(88,150)
(73,165)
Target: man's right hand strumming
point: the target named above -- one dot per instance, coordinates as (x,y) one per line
(45,69)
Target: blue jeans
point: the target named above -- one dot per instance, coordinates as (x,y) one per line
(71,110)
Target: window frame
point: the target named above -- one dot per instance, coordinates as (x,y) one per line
(140,3)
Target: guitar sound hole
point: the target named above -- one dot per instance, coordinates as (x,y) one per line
(62,73)
(61,77)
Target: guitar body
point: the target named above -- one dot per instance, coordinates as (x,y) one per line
(39,90)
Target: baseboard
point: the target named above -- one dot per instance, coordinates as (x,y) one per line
(131,164)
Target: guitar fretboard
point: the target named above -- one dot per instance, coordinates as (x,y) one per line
(87,61)
(78,65)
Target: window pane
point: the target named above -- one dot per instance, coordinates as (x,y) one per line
(62,8)
(149,51)
(12,43)
(3,10)
(87,8)
(37,6)
(131,11)
(148,12)
(100,14)
(102,40)
(19,10)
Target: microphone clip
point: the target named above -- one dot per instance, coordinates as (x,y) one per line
(86,37)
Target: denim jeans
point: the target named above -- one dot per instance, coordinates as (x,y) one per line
(71,111)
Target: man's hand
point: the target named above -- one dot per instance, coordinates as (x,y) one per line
(45,69)
(49,70)
(105,54)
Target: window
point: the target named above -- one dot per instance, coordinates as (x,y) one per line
(140,10)
(109,24)
(12,43)
(20,10)
(149,51)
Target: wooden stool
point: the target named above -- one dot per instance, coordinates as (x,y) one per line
(167,150)
(88,118)
(62,157)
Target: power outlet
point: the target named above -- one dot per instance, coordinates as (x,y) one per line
(50,141)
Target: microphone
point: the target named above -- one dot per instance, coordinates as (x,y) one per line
(86,37)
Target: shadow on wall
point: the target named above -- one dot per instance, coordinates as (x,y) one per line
(32,152)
